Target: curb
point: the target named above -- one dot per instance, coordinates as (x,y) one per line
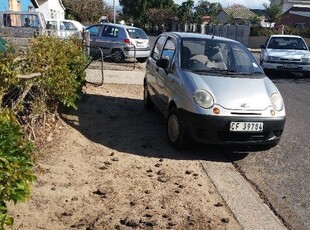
(242,199)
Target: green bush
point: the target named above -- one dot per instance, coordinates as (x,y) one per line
(8,66)
(62,65)
(16,164)
(261,31)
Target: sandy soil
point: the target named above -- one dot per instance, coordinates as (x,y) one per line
(109,166)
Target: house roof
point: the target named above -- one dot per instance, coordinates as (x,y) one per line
(239,12)
(35,3)
(301,10)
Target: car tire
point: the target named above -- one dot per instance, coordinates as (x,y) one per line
(176,130)
(118,56)
(306,74)
(148,103)
(141,60)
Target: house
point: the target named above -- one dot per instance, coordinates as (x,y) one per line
(240,15)
(53,9)
(18,5)
(296,15)
(287,4)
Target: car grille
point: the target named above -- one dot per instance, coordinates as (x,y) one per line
(291,59)
(237,136)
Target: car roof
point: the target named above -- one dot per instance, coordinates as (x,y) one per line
(116,25)
(285,35)
(184,35)
(62,20)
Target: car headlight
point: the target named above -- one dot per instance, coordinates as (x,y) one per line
(307,60)
(277,101)
(203,98)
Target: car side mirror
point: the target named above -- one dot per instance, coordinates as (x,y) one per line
(262,46)
(163,63)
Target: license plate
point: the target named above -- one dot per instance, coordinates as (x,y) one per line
(290,66)
(139,44)
(246,126)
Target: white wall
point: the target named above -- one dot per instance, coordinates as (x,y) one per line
(52,9)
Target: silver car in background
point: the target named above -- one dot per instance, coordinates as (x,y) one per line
(212,90)
(120,41)
(286,53)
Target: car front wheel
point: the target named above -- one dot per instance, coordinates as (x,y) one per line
(176,130)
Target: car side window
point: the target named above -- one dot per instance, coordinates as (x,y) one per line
(110,31)
(51,25)
(156,54)
(69,26)
(95,30)
(169,49)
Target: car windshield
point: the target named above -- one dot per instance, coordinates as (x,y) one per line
(288,43)
(136,33)
(218,57)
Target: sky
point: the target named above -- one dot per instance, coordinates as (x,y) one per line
(252,4)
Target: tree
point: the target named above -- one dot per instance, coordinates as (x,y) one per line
(205,8)
(138,9)
(272,13)
(255,20)
(86,11)
(186,13)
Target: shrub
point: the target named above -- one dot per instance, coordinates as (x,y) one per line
(62,65)
(16,164)
(8,67)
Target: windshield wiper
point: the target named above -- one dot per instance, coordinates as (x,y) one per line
(234,72)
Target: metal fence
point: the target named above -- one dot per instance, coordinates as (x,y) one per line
(239,33)
(106,58)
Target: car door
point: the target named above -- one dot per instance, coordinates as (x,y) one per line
(108,38)
(95,34)
(152,69)
(165,77)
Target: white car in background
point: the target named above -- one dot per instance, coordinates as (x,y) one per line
(286,53)
(64,28)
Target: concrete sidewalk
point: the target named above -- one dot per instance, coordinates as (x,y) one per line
(134,77)
(243,200)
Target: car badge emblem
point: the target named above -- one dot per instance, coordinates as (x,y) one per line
(244,105)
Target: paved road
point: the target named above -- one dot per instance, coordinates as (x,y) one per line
(283,173)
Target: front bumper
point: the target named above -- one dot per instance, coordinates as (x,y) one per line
(215,129)
(284,66)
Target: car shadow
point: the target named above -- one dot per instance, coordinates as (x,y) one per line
(296,78)
(124,125)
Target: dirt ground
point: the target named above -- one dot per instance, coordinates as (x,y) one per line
(109,166)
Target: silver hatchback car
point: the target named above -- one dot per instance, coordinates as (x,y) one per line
(120,41)
(212,90)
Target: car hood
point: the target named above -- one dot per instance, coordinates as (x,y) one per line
(288,53)
(237,92)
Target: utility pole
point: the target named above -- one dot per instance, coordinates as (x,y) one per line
(114,11)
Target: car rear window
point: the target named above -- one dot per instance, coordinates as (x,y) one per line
(136,33)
